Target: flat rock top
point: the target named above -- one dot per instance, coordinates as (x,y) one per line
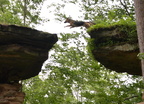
(23,50)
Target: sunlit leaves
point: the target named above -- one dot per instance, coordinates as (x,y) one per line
(20,12)
(74,77)
(99,10)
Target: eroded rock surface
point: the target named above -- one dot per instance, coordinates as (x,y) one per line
(22,52)
(11,94)
(117,48)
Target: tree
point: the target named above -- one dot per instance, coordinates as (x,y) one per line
(7,14)
(100,10)
(21,12)
(74,77)
(29,10)
(140,26)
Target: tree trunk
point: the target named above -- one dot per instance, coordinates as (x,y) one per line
(139,10)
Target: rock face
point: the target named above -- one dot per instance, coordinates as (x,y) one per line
(22,52)
(116,48)
(11,94)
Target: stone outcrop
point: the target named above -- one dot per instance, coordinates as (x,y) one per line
(11,94)
(22,52)
(116,47)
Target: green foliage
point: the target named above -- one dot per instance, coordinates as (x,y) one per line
(21,13)
(141,56)
(6,15)
(111,10)
(99,11)
(73,77)
(9,18)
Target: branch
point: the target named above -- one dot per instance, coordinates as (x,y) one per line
(130,97)
(125,7)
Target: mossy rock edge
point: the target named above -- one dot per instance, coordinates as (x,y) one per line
(116,47)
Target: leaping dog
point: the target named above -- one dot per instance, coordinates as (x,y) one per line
(74,23)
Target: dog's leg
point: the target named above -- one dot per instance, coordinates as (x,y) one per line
(70,26)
